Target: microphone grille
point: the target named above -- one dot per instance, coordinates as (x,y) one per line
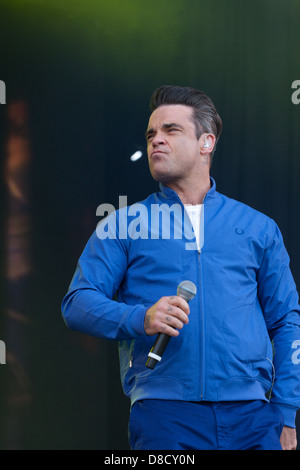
(187,290)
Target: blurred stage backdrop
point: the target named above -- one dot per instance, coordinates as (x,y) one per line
(78,76)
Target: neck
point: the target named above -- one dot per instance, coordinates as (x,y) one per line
(192,193)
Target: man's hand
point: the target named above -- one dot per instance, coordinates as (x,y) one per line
(167,316)
(288,438)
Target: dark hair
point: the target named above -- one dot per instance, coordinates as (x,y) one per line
(205,116)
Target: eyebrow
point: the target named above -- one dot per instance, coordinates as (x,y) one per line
(167,125)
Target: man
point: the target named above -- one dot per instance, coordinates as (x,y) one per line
(229,376)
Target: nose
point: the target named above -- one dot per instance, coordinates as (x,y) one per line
(158,139)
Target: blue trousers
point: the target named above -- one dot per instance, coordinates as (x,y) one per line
(179,425)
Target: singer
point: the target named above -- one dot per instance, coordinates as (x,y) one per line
(229,375)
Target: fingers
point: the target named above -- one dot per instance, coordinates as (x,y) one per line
(179,302)
(167,316)
(175,316)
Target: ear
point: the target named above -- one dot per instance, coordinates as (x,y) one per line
(207,144)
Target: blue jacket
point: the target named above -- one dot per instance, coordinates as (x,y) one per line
(242,341)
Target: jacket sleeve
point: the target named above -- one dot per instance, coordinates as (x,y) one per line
(89,306)
(280,303)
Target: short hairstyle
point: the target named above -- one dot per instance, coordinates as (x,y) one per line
(205,115)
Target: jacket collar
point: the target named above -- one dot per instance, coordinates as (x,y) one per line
(169,193)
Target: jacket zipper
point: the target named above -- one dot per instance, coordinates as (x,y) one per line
(202,349)
(200,291)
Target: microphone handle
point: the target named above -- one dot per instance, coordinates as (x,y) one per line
(157,350)
(186,290)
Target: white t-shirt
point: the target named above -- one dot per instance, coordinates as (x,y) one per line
(195,213)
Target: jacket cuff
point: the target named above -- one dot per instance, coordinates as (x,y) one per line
(288,413)
(135,326)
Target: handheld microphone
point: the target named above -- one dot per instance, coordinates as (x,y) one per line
(186,290)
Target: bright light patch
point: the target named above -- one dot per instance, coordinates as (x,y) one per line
(136,156)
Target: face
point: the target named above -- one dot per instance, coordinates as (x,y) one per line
(172,146)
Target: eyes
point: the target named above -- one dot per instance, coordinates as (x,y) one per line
(149,136)
(168,130)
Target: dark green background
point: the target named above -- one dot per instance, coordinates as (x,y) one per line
(86,70)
